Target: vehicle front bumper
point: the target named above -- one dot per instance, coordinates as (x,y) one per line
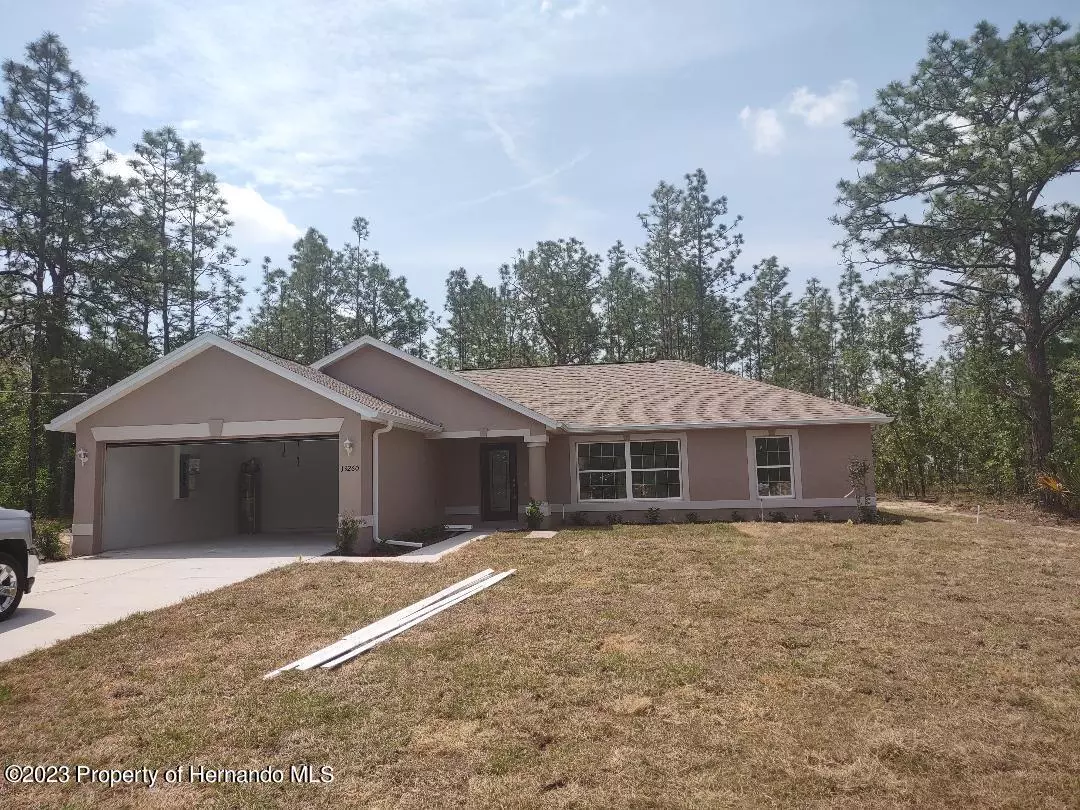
(31,571)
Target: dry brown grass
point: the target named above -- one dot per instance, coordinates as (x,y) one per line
(928,663)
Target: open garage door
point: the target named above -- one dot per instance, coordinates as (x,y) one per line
(171,492)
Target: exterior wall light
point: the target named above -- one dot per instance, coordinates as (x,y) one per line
(82,456)
(349,446)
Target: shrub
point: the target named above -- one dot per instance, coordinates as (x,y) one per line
(737,516)
(347,531)
(1060,491)
(652,515)
(778,517)
(692,517)
(614,518)
(821,515)
(579,518)
(858,470)
(534,515)
(47,539)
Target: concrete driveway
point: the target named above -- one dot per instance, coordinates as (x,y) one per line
(77,595)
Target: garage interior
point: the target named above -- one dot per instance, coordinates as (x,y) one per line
(175,492)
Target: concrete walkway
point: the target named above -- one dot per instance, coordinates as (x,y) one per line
(74,596)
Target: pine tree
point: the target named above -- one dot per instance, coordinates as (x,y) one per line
(661,257)
(895,339)
(226,294)
(852,359)
(557,284)
(958,168)
(203,227)
(159,163)
(47,199)
(766,325)
(308,299)
(624,313)
(710,248)
(815,337)
(266,327)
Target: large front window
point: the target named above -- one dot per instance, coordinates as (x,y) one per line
(774,467)
(653,466)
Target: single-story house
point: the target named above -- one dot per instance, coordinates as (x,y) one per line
(219,438)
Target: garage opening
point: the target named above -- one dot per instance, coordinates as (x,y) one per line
(172,492)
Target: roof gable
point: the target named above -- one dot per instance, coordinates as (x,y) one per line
(361,402)
(511,403)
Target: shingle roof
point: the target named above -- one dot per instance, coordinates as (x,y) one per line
(664,392)
(337,386)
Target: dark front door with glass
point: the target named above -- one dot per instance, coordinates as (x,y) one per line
(498,482)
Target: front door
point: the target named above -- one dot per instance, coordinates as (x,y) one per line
(498,482)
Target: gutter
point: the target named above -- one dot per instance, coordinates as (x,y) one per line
(375,490)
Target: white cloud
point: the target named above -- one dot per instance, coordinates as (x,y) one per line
(299,97)
(765,128)
(825,110)
(116,164)
(256,221)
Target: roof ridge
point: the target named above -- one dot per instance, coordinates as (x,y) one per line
(571,365)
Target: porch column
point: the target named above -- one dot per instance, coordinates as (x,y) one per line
(537,469)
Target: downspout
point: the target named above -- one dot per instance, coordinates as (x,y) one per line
(375,490)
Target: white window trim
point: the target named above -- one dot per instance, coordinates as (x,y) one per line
(629,501)
(796,465)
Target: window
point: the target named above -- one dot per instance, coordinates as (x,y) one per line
(654,466)
(655,469)
(601,471)
(774,467)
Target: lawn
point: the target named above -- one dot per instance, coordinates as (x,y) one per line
(933,662)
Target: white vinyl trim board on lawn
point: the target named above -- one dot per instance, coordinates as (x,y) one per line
(384,629)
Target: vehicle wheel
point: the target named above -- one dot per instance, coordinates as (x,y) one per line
(12,585)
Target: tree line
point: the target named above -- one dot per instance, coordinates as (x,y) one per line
(955,217)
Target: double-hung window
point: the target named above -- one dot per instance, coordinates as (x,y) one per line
(601,471)
(773,455)
(641,470)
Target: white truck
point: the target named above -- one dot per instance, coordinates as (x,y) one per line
(18,559)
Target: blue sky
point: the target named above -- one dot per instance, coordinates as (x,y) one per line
(465,130)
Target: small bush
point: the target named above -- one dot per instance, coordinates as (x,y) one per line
(579,518)
(737,516)
(1060,491)
(778,517)
(652,515)
(858,471)
(614,518)
(692,517)
(534,515)
(347,531)
(47,539)
(821,515)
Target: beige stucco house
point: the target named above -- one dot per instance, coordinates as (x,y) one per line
(219,438)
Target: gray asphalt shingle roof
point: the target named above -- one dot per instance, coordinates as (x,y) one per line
(663,392)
